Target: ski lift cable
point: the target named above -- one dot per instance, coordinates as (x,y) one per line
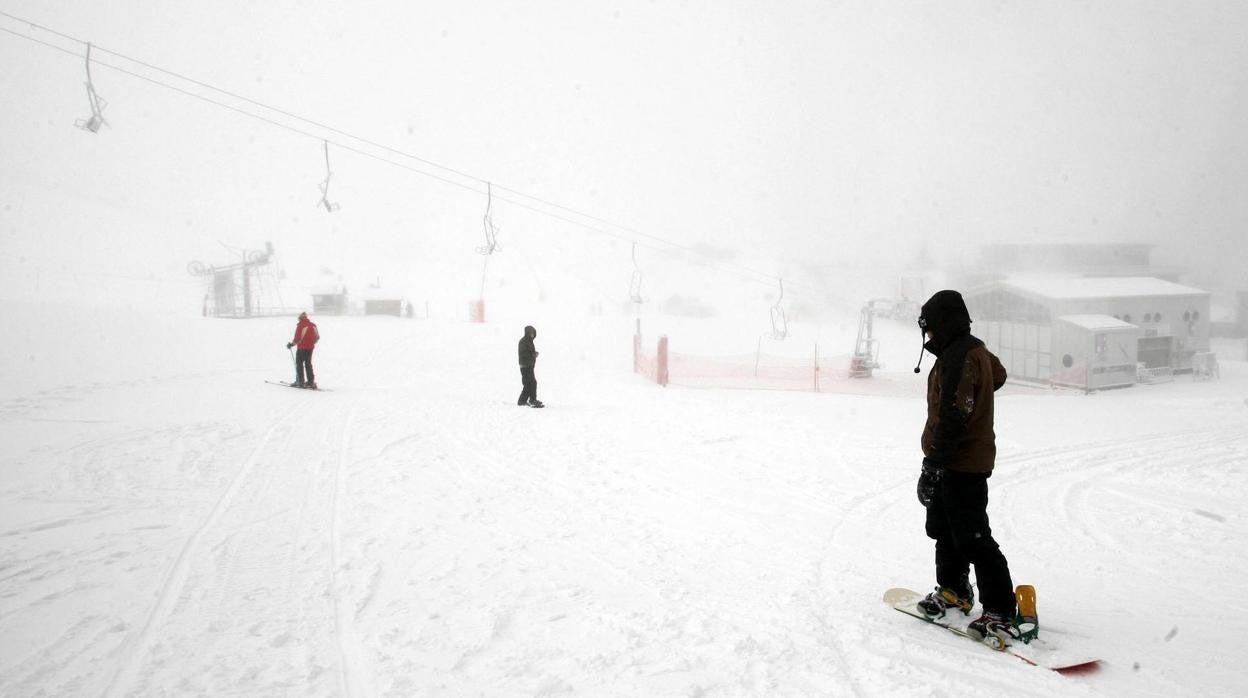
(738,270)
(744,272)
(341,132)
(234,95)
(659,243)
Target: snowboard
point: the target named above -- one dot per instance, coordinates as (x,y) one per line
(1044,651)
(292,385)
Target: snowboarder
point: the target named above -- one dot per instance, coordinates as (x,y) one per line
(528,361)
(306,337)
(959,450)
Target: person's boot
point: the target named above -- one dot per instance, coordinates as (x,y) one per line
(537,403)
(936,603)
(994,629)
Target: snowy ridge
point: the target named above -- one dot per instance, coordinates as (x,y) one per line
(173,526)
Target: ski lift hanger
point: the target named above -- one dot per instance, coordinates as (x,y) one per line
(779,320)
(634,286)
(487,223)
(330,206)
(96,120)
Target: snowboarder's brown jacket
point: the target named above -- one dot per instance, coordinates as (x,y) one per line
(959,433)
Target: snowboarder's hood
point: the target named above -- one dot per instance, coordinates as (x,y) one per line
(530,332)
(945,316)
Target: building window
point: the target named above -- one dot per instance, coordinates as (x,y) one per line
(1126,317)
(1068,361)
(1148,317)
(1156,317)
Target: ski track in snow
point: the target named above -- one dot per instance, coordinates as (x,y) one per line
(172,589)
(420,534)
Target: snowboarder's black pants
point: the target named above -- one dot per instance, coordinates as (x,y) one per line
(529,381)
(958,521)
(303,366)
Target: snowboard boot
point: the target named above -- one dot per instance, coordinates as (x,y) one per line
(537,403)
(310,386)
(994,629)
(936,603)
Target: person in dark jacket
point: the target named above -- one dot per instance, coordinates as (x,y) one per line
(959,452)
(306,337)
(528,361)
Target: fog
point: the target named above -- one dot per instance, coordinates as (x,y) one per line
(172,524)
(830,144)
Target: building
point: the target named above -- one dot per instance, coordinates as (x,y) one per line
(1003,260)
(380,301)
(330,300)
(1091,333)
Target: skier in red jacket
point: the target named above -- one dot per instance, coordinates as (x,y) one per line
(306,336)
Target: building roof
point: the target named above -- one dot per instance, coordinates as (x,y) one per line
(1097,322)
(1072,288)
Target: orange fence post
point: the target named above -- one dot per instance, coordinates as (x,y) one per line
(662,360)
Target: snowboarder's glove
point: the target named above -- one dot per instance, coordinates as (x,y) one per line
(289,344)
(929,479)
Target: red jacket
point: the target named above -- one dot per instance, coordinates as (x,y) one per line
(306,334)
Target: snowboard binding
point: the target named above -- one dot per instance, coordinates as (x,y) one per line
(999,631)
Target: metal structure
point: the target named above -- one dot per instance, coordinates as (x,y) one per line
(476,308)
(236,290)
(866,356)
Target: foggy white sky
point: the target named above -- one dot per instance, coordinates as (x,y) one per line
(791,131)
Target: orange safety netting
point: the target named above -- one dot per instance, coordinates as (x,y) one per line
(760,371)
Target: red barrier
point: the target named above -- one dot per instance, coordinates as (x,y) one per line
(759,371)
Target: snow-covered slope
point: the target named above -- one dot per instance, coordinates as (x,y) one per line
(171,525)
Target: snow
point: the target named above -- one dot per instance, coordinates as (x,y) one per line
(1097,322)
(1100,287)
(171,525)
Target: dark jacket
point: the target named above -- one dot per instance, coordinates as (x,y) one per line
(959,431)
(528,353)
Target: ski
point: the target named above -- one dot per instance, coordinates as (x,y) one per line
(1038,652)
